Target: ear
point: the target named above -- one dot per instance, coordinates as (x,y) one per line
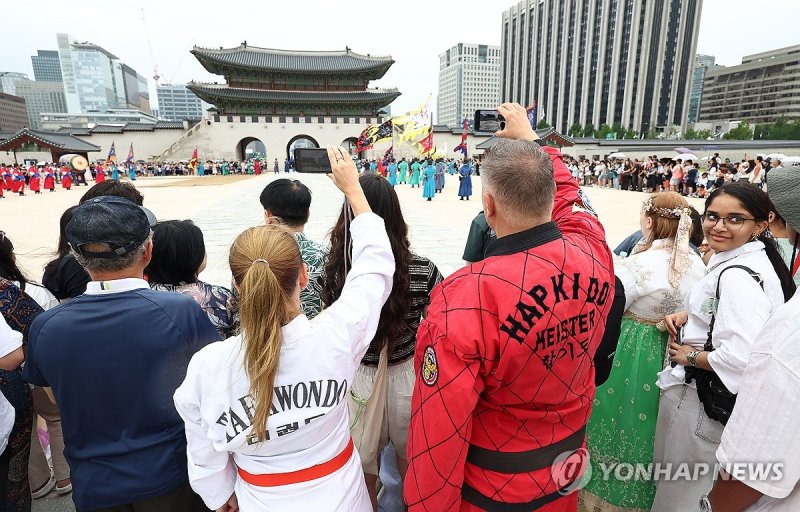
(760,227)
(302,279)
(267,216)
(489,205)
(148,253)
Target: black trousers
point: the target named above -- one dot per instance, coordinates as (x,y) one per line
(182,499)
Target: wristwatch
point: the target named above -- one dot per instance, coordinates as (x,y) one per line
(705,505)
(692,357)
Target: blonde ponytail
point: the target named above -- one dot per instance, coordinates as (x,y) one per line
(265,262)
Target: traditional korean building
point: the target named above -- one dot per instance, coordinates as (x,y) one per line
(261,81)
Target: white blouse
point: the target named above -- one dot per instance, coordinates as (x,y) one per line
(741,313)
(308,422)
(648,293)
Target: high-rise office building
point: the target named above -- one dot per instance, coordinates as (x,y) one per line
(764,87)
(8,81)
(46,66)
(176,103)
(601,61)
(41,97)
(96,80)
(702,63)
(13,113)
(469,79)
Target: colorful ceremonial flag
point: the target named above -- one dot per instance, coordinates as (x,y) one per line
(383,132)
(389,155)
(364,141)
(532,115)
(129,160)
(112,156)
(462,148)
(426,144)
(193,161)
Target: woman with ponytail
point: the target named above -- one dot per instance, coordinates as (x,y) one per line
(746,281)
(266,412)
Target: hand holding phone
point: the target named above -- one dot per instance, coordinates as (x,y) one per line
(489,121)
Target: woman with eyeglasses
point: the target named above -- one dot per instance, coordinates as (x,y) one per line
(746,281)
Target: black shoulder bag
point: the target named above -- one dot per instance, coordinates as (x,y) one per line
(717,401)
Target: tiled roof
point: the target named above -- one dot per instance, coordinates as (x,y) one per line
(139,127)
(169,125)
(214,93)
(289,61)
(106,128)
(56,140)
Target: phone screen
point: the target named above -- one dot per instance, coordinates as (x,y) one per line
(489,121)
(312,160)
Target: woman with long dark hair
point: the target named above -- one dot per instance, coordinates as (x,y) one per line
(384,382)
(747,280)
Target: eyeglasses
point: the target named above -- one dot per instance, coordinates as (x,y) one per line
(732,222)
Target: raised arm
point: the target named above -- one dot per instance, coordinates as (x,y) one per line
(568,193)
(369,281)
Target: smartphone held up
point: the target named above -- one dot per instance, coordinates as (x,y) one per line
(489,121)
(312,160)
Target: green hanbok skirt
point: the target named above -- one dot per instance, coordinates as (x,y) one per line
(622,427)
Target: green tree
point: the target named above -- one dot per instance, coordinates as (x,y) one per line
(588,130)
(604,131)
(741,132)
(690,134)
(575,130)
(630,133)
(704,134)
(618,130)
(761,131)
(542,125)
(651,134)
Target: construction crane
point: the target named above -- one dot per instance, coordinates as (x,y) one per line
(156,75)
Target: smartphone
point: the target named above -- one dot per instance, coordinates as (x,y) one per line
(489,121)
(679,341)
(312,160)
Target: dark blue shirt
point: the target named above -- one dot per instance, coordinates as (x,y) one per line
(114,360)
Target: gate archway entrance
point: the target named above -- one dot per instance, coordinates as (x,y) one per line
(300,141)
(250,147)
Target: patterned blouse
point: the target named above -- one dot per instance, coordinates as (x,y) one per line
(313,255)
(216,301)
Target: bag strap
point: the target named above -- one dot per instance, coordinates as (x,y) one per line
(709,347)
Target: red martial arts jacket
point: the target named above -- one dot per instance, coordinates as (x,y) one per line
(504,364)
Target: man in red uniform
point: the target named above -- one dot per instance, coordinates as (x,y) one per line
(505,378)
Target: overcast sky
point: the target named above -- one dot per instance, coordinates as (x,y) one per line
(413,32)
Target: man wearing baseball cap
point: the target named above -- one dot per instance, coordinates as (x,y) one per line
(113,358)
(763,427)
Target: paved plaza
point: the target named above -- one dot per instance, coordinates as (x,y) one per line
(223,206)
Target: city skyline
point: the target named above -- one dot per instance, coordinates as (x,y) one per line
(325,26)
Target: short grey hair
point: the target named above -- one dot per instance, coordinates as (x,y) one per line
(123,262)
(519,175)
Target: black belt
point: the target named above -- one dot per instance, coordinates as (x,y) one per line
(474,497)
(524,462)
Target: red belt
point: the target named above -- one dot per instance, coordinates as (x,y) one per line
(301,475)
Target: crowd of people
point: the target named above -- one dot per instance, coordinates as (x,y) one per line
(674,174)
(533,378)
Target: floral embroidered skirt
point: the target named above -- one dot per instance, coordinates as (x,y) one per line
(621,430)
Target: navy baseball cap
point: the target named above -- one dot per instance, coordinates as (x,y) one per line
(111,220)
